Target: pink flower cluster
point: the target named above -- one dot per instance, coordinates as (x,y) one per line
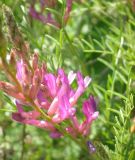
(51,93)
(48,18)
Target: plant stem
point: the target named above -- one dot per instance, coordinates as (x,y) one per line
(23,142)
(4,150)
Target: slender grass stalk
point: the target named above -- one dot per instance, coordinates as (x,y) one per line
(23,142)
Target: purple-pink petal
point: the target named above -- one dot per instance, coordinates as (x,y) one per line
(19,107)
(50,81)
(55,134)
(71,77)
(64,106)
(17,117)
(19,67)
(34,122)
(89,109)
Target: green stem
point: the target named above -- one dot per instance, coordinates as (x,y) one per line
(115,71)
(4,150)
(23,142)
(116,64)
(59,48)
(74,52)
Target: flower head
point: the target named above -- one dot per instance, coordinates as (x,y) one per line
(52,95)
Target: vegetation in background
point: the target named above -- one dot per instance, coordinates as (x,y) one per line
(98,40)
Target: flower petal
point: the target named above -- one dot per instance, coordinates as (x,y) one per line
(71,77)
(50,81)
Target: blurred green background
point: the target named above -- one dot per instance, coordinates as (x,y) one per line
(98,40)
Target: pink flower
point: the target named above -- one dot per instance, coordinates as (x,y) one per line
(50,81)
(54,95)
(48,18)
(30,118)
(55,134)
(82,85)
(89,109)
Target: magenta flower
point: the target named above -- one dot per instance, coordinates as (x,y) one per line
(46,100)
(31,118)
(53,96)
(48,18)
(89,109)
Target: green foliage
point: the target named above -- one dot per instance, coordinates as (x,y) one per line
(98,40)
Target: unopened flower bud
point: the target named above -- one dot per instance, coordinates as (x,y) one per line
(35,61)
